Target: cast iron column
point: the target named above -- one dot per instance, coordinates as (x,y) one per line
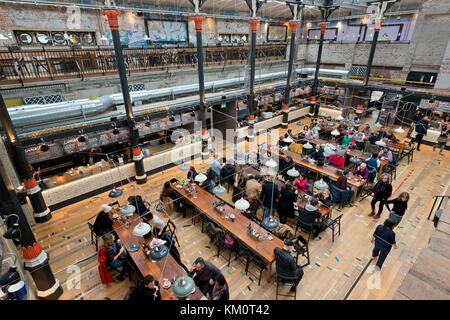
(372,50)
(138,157)
(36,259)
(40,211)
(323,27)
(251,102)
(287,94)
(198,20)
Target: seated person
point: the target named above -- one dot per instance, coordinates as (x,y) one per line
(139,204)
(310,218)
(391,137)
(352,144)
(374,138)
(149,290)
(253,187)
(381,133)
(216,166)
(342,185)
(367,131)
(166,193)
(103,223)
(361,171)
(341,126)
(285,165)
(300,183)
(220,290)
(209,183)
(324,198)
(286,265)
(385,153)
(316,153)
(116,256)
(303,133)
(191,174)
(204,274)
(346,140)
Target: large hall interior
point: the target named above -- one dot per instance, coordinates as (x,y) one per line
(224,150)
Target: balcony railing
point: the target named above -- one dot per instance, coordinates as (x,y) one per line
(25,66)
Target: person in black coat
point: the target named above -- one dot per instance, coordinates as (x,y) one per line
(285,206)
(204,274)
(421,130)
(227,173)
(139,204)
(149,291)
(381,192)
(286,265)
(324,198)
(317,152)
(269,197)
(103,223)
(285,165)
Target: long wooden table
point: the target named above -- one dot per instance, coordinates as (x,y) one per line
(238,228)
(145,265)
(324,210)
(328,171)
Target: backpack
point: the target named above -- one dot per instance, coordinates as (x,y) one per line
(229,241)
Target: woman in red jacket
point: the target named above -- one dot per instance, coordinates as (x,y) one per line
(381,192)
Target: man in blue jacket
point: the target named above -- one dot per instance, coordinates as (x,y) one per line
(421,130)
(269,197)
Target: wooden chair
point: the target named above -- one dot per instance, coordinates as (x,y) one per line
(302,249)
(333,224)
(93,236)
(258,262)
(285,281)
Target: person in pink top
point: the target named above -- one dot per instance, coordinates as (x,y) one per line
(300,183)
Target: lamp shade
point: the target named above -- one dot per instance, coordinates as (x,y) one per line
(159,252)
(335,132)
(399,130)
(13,232)
(183,286)
(339,118)
(11,276)
(320,184)
(327,151)
(219,189)
(355,160)
(307,145)
(127,210)
(378,125)
(242,204)
(200,177)
(380,143)
(293,173)
(323,114)
(316,128)
(300,124)
(270,163)
(142,229)
(185,167)
(115,193)
(288,140)
(270,223)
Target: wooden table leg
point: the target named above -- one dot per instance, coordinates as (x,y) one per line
(269,271)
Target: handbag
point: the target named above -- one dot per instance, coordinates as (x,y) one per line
(159,207)
(229,241)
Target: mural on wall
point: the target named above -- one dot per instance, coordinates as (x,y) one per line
(167,31)
(132,30)
(277,33)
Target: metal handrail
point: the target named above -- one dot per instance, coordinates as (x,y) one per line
(434,203)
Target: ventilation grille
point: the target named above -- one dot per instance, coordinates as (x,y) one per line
(47,99)
(358,71)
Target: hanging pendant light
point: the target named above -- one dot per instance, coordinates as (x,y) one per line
(335,132)
(142,229)
(323,114)
(328,152)
(380,143)
(320,184)
(288,140)
(316,128)
(219,189)
(183,286)
(185,167)
(339,118)
(293,172)
(11,276)
(115,130)
(13,232)
(200,177)
(270,163)
(242,204)
(300,124)
(399,130)
(115,193)
(377,125)
(127,210)
(307,145)
(270,223)
(2,37)
(355,160)
(44,147)
(158,253)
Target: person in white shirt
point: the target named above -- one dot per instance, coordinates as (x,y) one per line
(158,224)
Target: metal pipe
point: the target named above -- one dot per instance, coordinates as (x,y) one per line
(372,50)
(323,27)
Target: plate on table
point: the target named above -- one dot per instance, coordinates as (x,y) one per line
(133,248)
(178,186)
(115,216)
(166,284)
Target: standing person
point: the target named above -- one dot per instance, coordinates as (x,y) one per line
(381,192)
(421,130)
(204,274)
(415,118)
(285,165)
(399,209)
(443,137)
(216,166)
(269,196)
(285,206)
(253,187)
(103,223)
(285,263)
(384,240)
